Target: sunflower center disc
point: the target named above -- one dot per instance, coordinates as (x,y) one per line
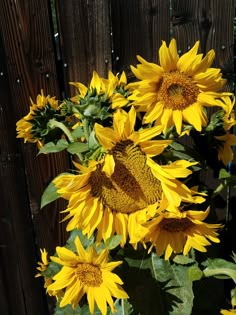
(175,225)
(132,186)
(177,91)
(89,275)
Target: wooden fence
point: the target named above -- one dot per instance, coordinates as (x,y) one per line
(92,35)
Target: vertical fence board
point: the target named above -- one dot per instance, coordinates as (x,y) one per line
(84,36)
(211,22)
(20,292)
(26,29)
(29,49)
(93,35)
(138,28)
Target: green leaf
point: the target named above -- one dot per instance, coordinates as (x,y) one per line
(194,273)
(85,241)
(67,310)
(113,241)
(52,269)
(177,284)
(154,284)
(51,147)
(123,307)
(93,143)
(220,268)
(85,310)
(183,260)
(77,133)
(77,147)
(223,174)
(50,194)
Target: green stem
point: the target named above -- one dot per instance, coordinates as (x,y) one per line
(86,128)
(56,124)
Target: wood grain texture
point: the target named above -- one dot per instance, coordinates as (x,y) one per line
(84,36)
(30,59)
(93,35)
(27,30)
(19,290)
(138,27)
(211,22)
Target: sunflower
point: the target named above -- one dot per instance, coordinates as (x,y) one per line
(228,312)
(33,126)
(225,153)
(118,194)
(87,272)
(100,90)
(42,268)
(229,116)
(179,231)
(43,264)
(177,91)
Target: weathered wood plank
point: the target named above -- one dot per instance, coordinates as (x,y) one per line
(138,27)
(19,290)
(211,22)
(84,36)
(29,50)
(27,30)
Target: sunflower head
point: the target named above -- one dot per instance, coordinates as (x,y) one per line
(176,92)
(177,231)
(34,126)
(96,101)
(87,272)
(43,264)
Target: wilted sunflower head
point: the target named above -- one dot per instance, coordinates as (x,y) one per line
(34,126)
(177,91)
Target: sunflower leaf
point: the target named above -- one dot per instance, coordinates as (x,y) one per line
(51,147)
(77,133)
(77,147)
(123,307)
(183,260)
(177,286)
(113,241)
(85,241)
(67,310)
(220,268)
(50,194)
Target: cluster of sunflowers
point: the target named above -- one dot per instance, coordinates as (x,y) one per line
(138,150)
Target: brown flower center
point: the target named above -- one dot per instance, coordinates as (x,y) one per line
(175,225)
(132,186)
(88,274)
(177,91)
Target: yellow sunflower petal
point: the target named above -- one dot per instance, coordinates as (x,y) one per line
(106,136)
(168,56)
(185,62)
